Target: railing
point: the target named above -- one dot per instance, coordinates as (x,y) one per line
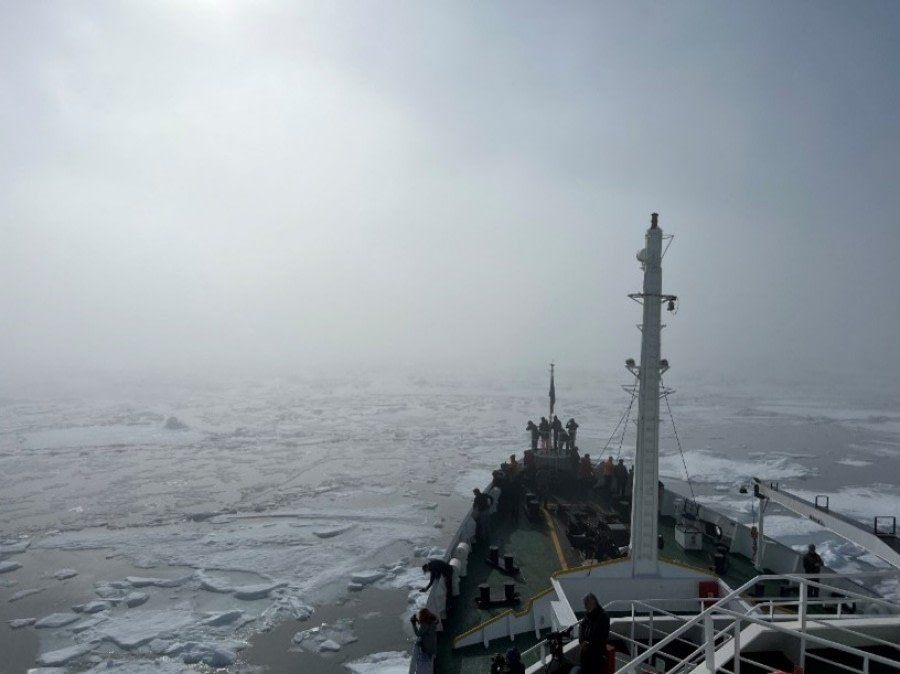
(714,640)
(769,613)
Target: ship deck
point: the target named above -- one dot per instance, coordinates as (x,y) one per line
(541,548)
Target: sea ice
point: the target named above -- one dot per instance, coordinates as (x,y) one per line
(133,599)
(57,620)
(62,574)
(6,567)
(137,581)
(331,533)
(222,618)
(260,591)
(88,623)
(212,655)
(63,655)
(136,629)
(326,637)
(19,623)
(392,662)
(854,463)
(138,667)
(94,606)
(21,594)
(366,577)
(214,584)
(12,547)
(709,466)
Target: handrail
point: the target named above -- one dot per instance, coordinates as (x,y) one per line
(811,637)
(718,608)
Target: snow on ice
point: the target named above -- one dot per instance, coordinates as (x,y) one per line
(267,500)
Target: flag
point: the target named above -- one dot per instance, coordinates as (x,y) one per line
(552,394)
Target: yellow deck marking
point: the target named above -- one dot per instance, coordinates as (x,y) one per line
(559,553)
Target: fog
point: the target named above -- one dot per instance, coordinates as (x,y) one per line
(287,186)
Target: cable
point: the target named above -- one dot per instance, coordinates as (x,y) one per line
(678,441)
(623,420)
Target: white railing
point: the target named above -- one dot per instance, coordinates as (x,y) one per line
(718,628)
(714,640)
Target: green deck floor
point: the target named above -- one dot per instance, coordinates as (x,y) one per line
(535,553)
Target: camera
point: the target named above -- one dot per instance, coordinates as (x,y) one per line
(556,640)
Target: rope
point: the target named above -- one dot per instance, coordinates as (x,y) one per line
(678,441)
(622,422)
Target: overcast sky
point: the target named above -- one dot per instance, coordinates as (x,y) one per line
(296,185)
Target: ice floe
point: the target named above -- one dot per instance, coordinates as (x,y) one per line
(62,656)
(6,567)
(21,594)
(57,620)
(392,662)
(326,637)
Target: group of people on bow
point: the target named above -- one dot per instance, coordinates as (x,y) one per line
(551,435)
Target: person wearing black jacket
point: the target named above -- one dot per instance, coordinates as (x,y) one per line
(481,508)
(556,426)
(533,429)
(593,633)
(571,426)
(438,568)
(544,431)
(812,564)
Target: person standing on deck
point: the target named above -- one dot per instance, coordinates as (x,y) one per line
(425,625)
(513,466)
(514,664)
(593,633)
(544,430)
(556,425)
(481,506)
(532,427)
(608,472)
(812,563)
(621,475)
(586,471)
(571,426)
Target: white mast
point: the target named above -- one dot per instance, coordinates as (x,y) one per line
(645,495)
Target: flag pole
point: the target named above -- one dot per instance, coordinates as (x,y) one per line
(552,394)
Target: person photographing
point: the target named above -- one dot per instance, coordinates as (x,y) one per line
(424,624)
